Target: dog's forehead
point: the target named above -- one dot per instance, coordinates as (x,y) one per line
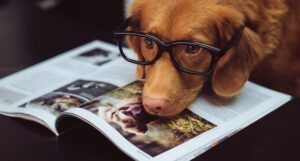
(174,20)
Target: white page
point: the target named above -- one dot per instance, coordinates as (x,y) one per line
(43,82)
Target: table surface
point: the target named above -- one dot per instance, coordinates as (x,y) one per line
(29,35)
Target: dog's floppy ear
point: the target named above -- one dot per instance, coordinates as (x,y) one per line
(234,68)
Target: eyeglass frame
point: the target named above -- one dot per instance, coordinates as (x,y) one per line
(215,52)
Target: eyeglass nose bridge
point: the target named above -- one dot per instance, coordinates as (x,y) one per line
(168,48)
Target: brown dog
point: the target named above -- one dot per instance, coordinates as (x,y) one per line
(268,45)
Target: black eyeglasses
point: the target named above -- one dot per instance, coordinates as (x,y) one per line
(187,56)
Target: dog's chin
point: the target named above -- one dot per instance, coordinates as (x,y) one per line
(169,113)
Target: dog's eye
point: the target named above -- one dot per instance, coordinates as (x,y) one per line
(148,43)
(192,49)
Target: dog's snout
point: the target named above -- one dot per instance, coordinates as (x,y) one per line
(155,105)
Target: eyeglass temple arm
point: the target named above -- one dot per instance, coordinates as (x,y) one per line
(124,24)
(233,41)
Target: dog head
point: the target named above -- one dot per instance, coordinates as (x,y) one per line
(168,91)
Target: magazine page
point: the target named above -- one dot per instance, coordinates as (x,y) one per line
(230,116)
(120,116)
(43,91)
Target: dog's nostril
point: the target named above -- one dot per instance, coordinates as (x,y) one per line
(158,108)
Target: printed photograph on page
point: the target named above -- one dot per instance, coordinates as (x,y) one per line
(97,56)
(69,96)
(122,108)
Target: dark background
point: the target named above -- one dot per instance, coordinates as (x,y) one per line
(30,34)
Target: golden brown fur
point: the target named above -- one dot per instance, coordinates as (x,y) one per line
(269,45)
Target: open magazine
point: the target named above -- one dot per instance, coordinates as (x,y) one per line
(93,84)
